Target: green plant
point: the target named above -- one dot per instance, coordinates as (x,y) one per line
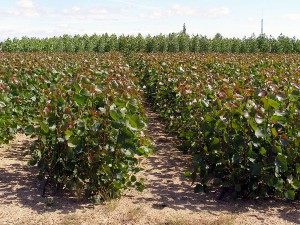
(86,117)
(237,114)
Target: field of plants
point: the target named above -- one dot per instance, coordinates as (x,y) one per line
(237,114)
(85,114)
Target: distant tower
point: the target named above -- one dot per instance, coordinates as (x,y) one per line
(184,29)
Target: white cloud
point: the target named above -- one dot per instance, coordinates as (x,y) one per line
(217,12)
(292,16)
(94,13)
(181,10)
(156,15)
(99,10)
(24,8)
(25,4)
(184,10)
(73,10)
(20,13)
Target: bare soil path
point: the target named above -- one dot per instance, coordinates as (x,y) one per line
(168,199)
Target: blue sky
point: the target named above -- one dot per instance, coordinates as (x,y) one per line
(231,18)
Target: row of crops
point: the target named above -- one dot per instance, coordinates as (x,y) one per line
(85,115)
(237,114)
(173,42)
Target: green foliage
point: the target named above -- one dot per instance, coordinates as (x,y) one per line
(237,114)
(86,118)
(173,42)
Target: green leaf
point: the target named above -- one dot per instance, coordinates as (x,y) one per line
(260,133)
(115,115)
(73,142)
(124,135)
(76,86)
(133,178)
(278,118)
(68,134)
(255,169)
(32,162)
(253,124)
(85,92)
(279,185)
(187,174)
(290,194)
(298,168)
(120,102)
(136,122)
(281,163)
(215,141)
(79,99)
(234,124)
(296,184)
(273,103)
(263,151)
(209,118)
(44,127)
(29,130)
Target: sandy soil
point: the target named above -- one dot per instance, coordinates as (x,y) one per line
(168,199)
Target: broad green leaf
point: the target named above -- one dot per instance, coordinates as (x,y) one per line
(215,141)
(290,194)
(133,178)
(115,115)
(209,118)
(77,87)
(136,122)
(85,92)
(79,99)
(44,127)
(296,184)
(68,134)
(263,151)
(273,103)
(281,163)
(253,124)
(119,102)
(29,130)
(279,185)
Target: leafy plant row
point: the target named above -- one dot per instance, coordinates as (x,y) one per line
(173,42)
(237,114)
(85,114)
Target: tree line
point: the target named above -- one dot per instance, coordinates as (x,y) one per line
(173,42)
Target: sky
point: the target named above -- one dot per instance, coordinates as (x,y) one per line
(230,18)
